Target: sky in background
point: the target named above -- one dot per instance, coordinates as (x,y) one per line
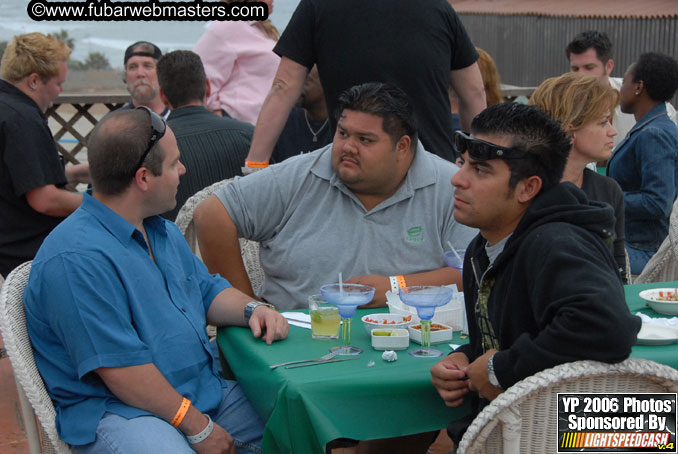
(112,38)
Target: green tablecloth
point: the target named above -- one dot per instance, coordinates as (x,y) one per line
(307,407)
(664,354)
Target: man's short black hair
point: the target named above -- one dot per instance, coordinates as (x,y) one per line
(386,101)
(659,74)
(181,77)
(531,130)
(591,39)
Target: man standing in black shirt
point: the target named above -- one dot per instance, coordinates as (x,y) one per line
(420,47)
(32,174)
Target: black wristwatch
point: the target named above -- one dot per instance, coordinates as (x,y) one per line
(249,308)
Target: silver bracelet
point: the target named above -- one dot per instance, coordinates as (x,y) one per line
(206,432)
(394,284)
(491,376)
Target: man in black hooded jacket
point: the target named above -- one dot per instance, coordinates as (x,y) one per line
(540,284)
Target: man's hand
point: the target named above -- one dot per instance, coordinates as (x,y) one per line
(448,377)
(219,442)
(381,284)
(78,173)
(266,319)
(478,380)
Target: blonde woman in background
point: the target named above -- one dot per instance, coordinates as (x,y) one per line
(584,105)
(240,65)
(491,79)
(491,83)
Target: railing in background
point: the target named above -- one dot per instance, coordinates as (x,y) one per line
(72,118)
(511,92)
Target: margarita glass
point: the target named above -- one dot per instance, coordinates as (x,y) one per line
(425,298)
(347,297)
(455,261)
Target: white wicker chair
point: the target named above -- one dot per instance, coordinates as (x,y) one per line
(524,418)
(33,396)
(663,265)
(248,249)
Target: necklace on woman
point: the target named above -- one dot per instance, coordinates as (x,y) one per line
(315,133)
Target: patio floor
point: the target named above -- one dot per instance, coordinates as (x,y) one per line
(12,436)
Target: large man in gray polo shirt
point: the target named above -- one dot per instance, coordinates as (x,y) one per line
(371,205)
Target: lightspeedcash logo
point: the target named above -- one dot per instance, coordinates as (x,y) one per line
(150,10)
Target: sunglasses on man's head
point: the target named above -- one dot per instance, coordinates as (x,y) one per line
(158,128)
(479,150)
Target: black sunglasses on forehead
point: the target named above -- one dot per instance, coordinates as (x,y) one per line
(479,150)
(158,128)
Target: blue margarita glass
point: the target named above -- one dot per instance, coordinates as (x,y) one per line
(425,298)
(347,298)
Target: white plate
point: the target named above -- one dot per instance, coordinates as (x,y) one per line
(437,337)
(398,340)
(654,293)
(399,320)
(662,307)
(654,334)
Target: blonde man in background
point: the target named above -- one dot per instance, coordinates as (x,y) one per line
(32,174)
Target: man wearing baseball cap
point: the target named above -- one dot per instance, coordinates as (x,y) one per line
(141,77)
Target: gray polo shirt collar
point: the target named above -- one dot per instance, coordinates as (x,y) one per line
(420,174)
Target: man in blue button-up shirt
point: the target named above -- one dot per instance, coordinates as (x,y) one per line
(117,306)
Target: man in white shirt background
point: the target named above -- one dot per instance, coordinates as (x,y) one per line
(590,52)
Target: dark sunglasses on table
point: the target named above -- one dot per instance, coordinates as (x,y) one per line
(158,128)
(479,150)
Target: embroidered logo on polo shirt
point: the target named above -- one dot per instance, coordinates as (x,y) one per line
(415,234)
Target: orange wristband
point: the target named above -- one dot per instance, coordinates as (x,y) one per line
(181,412)
(401,281)
(256,165)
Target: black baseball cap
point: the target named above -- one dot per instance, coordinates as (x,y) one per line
(130,52)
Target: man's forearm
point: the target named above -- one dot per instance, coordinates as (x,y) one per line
(382,284)
(77,173)
(441,276)
(228,308)
(144,387)
(286,89)
(219,245)
(468,84)
(52,201)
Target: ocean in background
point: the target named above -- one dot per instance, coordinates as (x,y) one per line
(112,38)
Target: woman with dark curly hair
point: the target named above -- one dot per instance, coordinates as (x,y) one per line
(645,163)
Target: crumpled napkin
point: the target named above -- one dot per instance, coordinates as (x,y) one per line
(389,355)
(659,320)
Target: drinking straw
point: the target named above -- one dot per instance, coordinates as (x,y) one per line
(341,285)
(454,251)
